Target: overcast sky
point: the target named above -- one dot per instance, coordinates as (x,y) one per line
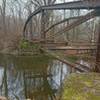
(59,1)
(65,0)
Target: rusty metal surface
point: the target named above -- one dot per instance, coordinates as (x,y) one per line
(97,68)
(78,22)
(62,21)
(43,23)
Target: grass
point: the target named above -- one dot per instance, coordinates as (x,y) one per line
(82,87)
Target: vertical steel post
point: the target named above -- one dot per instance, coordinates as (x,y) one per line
(97,67)
(30,23)
(43,35)
(31,32)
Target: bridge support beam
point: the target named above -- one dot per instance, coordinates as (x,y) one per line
(43,23)
(97,67)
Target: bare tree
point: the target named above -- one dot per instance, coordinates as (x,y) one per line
(3,14)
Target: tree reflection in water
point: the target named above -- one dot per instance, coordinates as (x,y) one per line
(39,77)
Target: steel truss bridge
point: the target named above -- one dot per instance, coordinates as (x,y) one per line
(93,5)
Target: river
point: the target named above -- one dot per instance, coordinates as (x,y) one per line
(38,77)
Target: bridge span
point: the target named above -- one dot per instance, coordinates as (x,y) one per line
(85,4)
(94,5)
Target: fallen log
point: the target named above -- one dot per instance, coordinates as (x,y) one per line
(64,60)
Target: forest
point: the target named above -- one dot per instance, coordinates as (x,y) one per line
(49,49)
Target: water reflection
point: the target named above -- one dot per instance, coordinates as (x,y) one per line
(39,77)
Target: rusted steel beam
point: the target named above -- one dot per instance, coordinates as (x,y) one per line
(43,23)
(55,48)
(97,67)
(65,20)
(78,22)
(30,17)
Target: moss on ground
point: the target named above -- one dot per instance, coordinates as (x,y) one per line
(82,87)
(25,44)
(28,48)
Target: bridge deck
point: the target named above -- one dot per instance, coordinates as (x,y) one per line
(72,48)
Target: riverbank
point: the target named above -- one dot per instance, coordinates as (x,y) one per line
(82,86)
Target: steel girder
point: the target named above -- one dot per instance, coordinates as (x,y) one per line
(70,5)
(79,21)
(97,67)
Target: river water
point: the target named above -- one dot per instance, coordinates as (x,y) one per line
(38,77)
